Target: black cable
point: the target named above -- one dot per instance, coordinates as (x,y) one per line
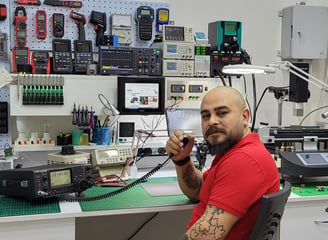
(254,103)
(218,73)
(144,224)
(229,79)
(118,191)
(301,122)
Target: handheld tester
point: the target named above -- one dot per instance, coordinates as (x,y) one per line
(20,26)
(41,24)
(62,56)
(58,25)
(162,17)
(21,56)
(145,18)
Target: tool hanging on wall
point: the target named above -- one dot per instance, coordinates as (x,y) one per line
(20,26)
(3,12)
(58,25)
(99,20)
(29,2)
(41,24)
(80,21)
(60,3)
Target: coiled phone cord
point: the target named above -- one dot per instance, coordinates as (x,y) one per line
(118,191)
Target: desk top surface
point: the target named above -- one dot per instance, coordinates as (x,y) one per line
(136,199)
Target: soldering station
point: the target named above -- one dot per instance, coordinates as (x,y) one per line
(91,90)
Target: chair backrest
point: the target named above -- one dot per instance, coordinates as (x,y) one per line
(271,211)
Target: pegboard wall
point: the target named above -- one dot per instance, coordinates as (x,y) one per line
(71,32)
(6,138)
(71,29)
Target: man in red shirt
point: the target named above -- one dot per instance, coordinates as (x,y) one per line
(229,192)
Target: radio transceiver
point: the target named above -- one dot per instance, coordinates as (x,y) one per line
(45,181)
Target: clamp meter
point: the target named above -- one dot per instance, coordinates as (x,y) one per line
(20,26)
(162,17)
(58,23)
(145,18)
(21,58)
(41,24)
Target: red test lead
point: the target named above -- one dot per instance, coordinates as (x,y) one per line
(29,2)
(64,3)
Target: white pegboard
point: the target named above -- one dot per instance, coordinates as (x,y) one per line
(6,138)
(5,28)
(71,30)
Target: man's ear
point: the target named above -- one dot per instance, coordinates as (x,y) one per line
(245,114)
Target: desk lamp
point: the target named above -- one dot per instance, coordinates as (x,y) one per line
(108,105)
(271,68)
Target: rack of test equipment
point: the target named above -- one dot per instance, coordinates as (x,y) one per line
(39,32)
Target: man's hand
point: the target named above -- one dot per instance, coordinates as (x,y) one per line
(175,146)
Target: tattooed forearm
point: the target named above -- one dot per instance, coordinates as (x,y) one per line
(191,179)
(208,226)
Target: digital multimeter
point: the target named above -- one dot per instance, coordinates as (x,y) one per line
(40,62)
(41,24)
(145,18)
(162,17)
(83,55)
(58,25)
(62,56)
(21,56)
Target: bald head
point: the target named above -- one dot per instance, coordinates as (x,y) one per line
(224,94)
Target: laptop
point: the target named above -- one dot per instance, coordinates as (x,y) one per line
(185,119)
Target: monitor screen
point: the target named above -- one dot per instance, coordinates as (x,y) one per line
(186,120)
(141,95)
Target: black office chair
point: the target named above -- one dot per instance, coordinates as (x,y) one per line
(270,214)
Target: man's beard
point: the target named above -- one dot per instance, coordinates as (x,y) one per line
(219,148)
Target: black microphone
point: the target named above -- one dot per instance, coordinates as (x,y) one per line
(185,141)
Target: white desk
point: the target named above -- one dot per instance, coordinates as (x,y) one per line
(72,223)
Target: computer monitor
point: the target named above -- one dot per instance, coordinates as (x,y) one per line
(140,95)
(185,119)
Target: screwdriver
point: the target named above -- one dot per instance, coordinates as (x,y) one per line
(29,2)
(64,3)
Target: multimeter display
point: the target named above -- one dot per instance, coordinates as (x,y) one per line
(41,24)
(21,57)
(178,88)
(162,17)
(62,47)
(83,48)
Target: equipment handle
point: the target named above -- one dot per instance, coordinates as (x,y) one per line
(100,33)
(320,221)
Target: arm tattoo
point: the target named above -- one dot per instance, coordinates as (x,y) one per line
(190,178)
(208,226)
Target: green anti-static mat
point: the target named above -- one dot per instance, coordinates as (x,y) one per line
(16,207)
(136,197)
(310,189)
